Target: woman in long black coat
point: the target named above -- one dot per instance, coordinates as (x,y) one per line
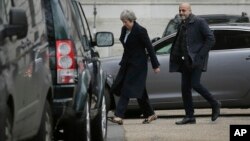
(131,79)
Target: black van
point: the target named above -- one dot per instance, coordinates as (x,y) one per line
(25,78)
(78,80)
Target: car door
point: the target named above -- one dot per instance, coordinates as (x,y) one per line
(91,57)
(165,87)
(14,64)
(228,74)
(13,67)
(37,71)
(27,86)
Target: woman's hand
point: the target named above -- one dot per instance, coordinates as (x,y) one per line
(157,70)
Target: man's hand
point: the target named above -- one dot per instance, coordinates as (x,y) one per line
(157,70)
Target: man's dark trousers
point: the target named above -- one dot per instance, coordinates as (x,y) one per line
(191,79)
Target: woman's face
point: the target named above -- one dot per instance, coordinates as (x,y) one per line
(128,24)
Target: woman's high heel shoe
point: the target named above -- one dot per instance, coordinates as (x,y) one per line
(117,120)
(149,119)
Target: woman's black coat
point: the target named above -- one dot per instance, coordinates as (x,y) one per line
(131,78)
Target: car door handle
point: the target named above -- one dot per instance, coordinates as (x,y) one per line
(248,58)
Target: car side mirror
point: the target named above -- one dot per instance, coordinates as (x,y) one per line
(18,24)
(104,39)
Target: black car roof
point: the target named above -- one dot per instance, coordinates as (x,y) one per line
(224,18)
(212,19)
(219,16)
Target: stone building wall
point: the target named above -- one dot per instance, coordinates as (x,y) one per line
(152,14)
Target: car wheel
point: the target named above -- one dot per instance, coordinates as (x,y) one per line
(6,126)
(86,129)
(78,128)
(45,132)
(99,124)
(107,99)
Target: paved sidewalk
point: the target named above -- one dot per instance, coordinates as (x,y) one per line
(164,129)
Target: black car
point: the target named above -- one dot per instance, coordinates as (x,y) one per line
(26,90)
(210,19)
(78,80)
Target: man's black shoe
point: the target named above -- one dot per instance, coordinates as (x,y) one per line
(186,120)
(216,111)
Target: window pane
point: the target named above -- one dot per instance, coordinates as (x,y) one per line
(171,28)
(1,12)
(165,49)
(164,45)
(231,39)
(7,6)
(82,25)
(81,20)
(32,13)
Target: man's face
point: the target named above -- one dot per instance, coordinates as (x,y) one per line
(184,11)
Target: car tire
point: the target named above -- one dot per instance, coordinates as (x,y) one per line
(79,129)
(6,126)
(86,135)
(45,132)
(99,123)
(107,99)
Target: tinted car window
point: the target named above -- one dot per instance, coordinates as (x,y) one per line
(225,39)
(230,39)
(32,13)
(65,9)
(6,5)
(82,25)
(171,28)
(1,11)
(164,47)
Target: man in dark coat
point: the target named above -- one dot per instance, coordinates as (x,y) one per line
(131,79)
(189,55)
